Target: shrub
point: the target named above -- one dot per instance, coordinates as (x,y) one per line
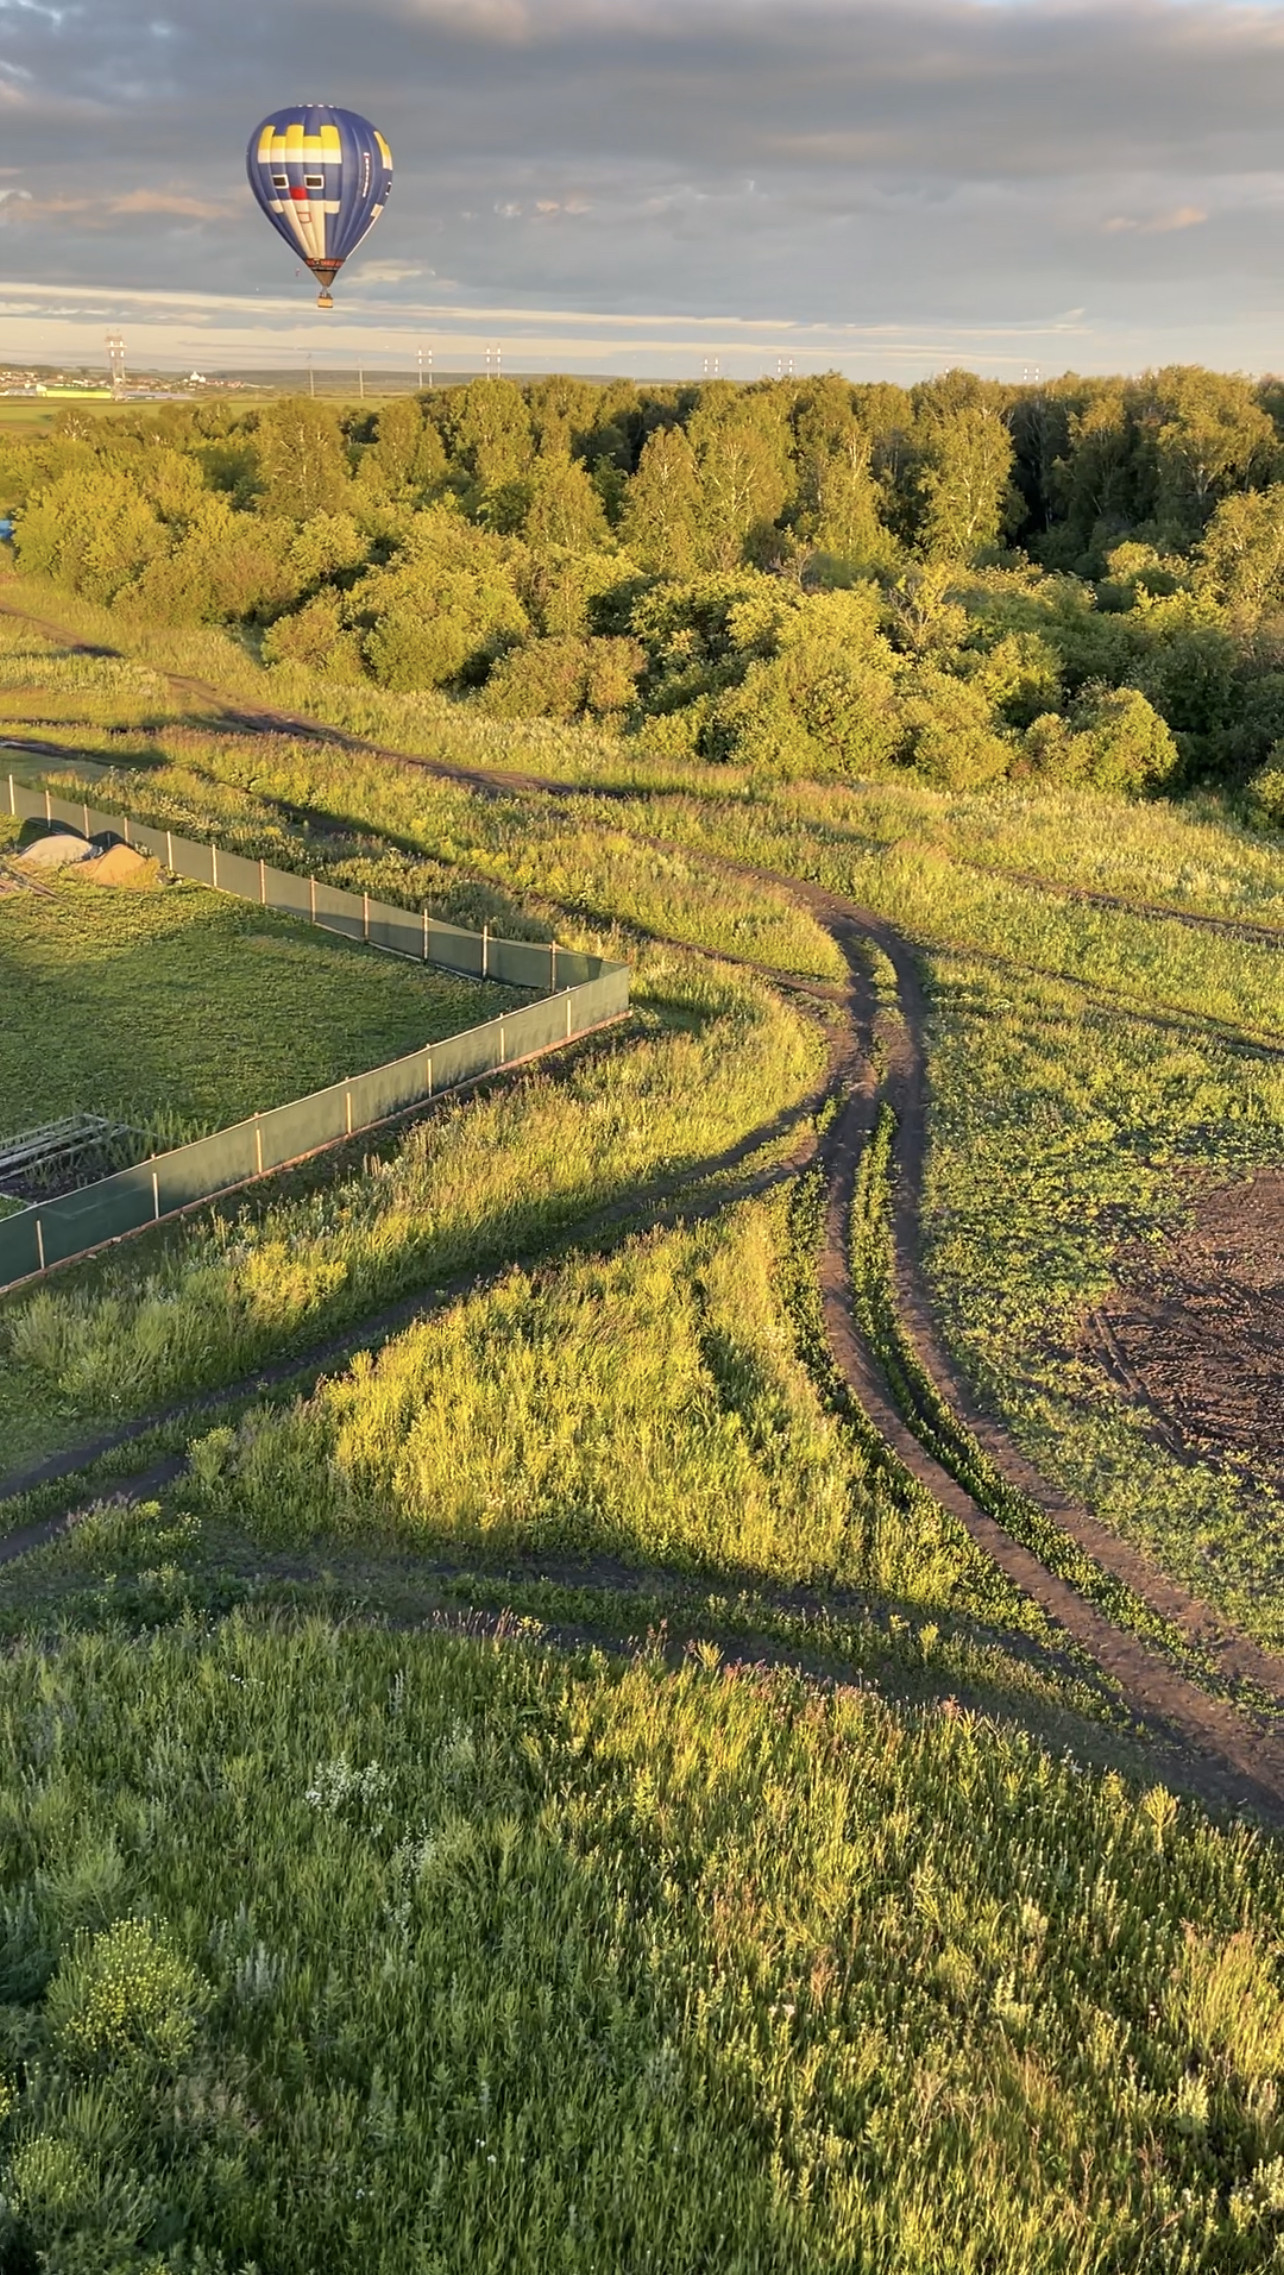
(124,1993)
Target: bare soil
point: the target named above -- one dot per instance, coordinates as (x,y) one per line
(1194,1329)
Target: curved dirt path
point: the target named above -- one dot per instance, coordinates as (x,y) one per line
(1240,1760)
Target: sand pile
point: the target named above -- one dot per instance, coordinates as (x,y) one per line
(121,865)
(56,850)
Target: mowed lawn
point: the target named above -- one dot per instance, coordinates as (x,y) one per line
(185,1009)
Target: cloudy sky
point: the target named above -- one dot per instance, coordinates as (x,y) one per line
(888,186)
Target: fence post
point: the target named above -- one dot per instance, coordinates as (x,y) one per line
(427,1074)
(427,923)
(258,1146)
(552,967)
(169,849)
(347,1102)
(503,1053)
(155,1197)
(569,993)
(365,916)
(214,866)
(485,951)
(312,898)
(13,800)
(49,814)
(262,882)
(40,1241)
(84,810)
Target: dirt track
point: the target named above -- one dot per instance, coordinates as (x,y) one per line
(1237,1760)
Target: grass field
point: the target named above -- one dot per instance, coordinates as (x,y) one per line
(181,1010)
(324,1944)
(552,1789)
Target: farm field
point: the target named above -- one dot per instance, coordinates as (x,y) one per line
(179,1010)
(663,1668)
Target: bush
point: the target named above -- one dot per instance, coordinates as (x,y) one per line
(562,678)
(1114,739)
(125,1993)
(1266,789)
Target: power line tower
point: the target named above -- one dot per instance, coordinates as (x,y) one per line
(116,361)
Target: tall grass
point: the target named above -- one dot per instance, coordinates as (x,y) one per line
(388,1950)
(648,1406)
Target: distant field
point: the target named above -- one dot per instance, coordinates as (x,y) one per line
(187,1009)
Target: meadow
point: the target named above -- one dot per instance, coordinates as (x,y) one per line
(551,1789)
(324,1946)
(176,1011)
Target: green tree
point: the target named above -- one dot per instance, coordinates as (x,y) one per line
(564,509)
(1209,435)
(660,523)
(442,610)
(1240,559)
(565,678)
(1114,739)
(490,433)
(302,463)
(92,531)
(406,458)
(964,481)
(741,443)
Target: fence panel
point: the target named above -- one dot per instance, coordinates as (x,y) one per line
(537,1026)
(62,810)
(239,876)
(575,969)
(340,912)
(192,860)
(19,1248)
(210,1165)
(304,1125)
(456,951)
(146,838)
(390,1089)
(290,894)
(600,999)
(462,1057)
(399,929)
(520,963)
(98,1213)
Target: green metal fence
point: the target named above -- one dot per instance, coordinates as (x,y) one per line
(579,993)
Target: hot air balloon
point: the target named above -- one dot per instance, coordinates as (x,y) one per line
(322,177)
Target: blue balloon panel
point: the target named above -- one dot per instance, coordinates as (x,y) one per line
(322,177)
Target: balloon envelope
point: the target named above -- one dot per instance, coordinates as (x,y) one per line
(322,177)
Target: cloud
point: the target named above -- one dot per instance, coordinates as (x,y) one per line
(938,170)
(1159,225)
(171,201)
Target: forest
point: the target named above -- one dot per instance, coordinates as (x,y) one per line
(1080,583)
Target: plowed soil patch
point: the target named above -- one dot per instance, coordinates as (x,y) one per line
(1195,1328)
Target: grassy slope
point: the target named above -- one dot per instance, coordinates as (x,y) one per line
(621,1969)
(187,1009)
(461,1949)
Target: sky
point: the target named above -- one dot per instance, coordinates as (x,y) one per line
(886,187)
